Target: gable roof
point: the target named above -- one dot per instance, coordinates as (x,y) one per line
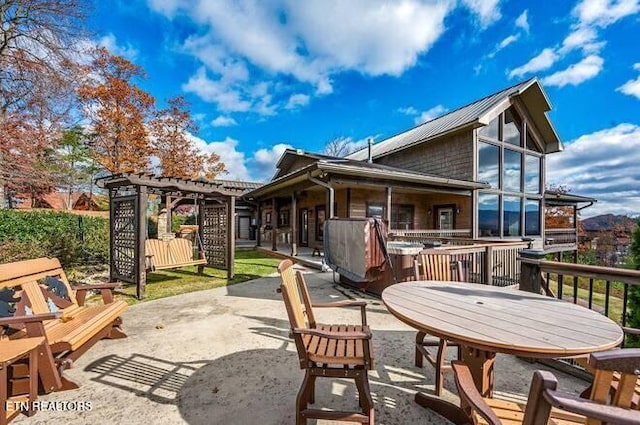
(476,114)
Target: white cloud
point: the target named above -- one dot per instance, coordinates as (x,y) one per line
(603,13)
(584,38)
(264,161)
(430,114)
(577,73)
(233,159)
(504,43)
(110,42)
(227,98)
(296,100)
(544,60)
(523,21)
(223,121)
(409,110)
(488,11)
(602,165)
(631,87)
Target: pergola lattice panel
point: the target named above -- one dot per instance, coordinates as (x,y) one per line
(214,234)
(124,234)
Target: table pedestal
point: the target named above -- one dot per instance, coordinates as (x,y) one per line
(480,363)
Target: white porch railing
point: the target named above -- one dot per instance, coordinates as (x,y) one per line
(433,233)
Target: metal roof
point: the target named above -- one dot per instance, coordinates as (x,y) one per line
(468,115)
(553,196)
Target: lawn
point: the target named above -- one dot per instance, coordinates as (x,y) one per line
(249,264)
(615,297)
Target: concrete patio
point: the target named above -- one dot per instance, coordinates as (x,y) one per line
(223,356)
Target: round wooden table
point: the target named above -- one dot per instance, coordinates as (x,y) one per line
(487,320)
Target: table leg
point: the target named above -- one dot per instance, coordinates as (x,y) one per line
(481,364)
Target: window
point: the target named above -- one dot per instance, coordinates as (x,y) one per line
(491,129)
(488,214)
(531,143)
(267,219)
(375,210)
(511,220)
(402,217)
(283,218)
(532,174)
(320,218)
(511,128)
(532,217)
(489,164)
(512,171)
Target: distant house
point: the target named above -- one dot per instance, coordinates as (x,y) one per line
(476,172)
(61,201)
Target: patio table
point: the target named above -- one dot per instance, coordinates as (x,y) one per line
(487,320)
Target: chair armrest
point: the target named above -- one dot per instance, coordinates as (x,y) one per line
(105,291)
(347,303)
(631,331)
(16,320)
(469,394)
(333,335)
(591,409)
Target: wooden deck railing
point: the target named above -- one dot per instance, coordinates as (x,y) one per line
(431,233)
(603,289)
(554,237)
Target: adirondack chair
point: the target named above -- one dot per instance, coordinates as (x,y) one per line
(171,254)
(69,327)
(546,405)
(330,351)
(436,264)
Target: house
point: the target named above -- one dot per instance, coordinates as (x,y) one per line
(476,172)
(64,201)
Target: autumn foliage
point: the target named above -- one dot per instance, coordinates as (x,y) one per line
(175,150)
(117,109)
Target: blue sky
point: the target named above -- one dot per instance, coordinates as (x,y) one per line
(266,75)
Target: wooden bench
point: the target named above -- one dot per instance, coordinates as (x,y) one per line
(71,329)
(171,254)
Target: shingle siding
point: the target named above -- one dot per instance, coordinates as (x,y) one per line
(450,157)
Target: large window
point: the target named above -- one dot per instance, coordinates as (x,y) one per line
(375,210)
(488,214)
(511,162)
(283,218)
(402,217)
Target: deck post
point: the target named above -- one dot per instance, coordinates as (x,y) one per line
(388,212)
(140,257)
(530,274)
(294,224)
(231,237)
(258,224)
(274,225)
(488,266)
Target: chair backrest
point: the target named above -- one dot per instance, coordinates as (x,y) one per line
(436,264)
(180,250)
(616,378)
(160,251)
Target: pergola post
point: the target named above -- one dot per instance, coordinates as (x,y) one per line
(294,224)
(112,266)
(169,209)
(140,258)
(231,237)
(274,224)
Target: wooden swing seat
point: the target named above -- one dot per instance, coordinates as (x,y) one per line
(170,254)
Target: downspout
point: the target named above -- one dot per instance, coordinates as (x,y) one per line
(327,186)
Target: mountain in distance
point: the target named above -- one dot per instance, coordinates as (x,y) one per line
(607,222)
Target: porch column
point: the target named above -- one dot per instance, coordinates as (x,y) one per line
(140,258)
(294,224)
(388,212)
(274,223)
(258,224)
(231,236)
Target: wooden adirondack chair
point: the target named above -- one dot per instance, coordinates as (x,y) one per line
(436,264)
(607,404)
(330,351)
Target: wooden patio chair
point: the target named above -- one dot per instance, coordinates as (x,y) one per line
(326,351)
(546,405)
(436,264)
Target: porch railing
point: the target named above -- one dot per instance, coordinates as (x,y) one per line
(431,233)
(603,289)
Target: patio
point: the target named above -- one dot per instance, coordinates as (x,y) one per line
(223,356)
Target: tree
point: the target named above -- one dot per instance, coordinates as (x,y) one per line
(173,147)
(340,147)
(633,307)
(76,167)
(116,110)
(38,48)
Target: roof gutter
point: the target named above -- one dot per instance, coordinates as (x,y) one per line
(328,186)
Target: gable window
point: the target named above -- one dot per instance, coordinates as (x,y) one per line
(511,162)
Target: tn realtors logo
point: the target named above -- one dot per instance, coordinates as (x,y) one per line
(49,406)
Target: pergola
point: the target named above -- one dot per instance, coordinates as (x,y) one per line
(128,194)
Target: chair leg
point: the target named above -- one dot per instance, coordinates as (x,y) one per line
(303,398)
(442,352)
(365,396)
(419,340)
(312,389)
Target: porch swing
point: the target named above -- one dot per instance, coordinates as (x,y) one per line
(174,253)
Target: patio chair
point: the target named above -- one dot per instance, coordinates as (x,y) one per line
(546,405)
(434,264)
(326,351)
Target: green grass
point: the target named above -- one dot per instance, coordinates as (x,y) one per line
(249,264)
(598,301)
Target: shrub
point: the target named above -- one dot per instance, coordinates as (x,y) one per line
(633,313)
(71,238)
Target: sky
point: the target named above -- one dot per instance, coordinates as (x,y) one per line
(263,76)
